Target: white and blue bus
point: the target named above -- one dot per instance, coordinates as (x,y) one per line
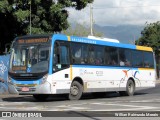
(41,65)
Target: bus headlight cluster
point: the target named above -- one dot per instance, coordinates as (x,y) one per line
(44,78)
(9,79)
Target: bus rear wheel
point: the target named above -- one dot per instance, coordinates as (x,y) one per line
(40,97)
(76,91)
(130,89)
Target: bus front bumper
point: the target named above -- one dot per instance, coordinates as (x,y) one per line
(44,88)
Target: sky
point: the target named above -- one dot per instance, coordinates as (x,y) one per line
(118,12)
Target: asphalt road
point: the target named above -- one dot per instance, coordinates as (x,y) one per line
(144,100)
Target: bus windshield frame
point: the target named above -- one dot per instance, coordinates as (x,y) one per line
(30,57)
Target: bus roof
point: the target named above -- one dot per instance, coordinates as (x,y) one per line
(100,42)
(90,40)
(104,39)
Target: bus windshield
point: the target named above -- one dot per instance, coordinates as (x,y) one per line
(31,58)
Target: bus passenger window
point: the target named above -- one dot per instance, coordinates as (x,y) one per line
(124,57)
(137,59)
(111,56)
(79,53)
(76,54)
(148,59)
(122,63)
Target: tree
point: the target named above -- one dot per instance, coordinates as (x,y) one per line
(151,37)
(80,30)
(47,16)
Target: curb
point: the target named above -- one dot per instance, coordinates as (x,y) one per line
(11,95)
(158,81)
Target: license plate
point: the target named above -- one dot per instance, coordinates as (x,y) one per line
(25,89)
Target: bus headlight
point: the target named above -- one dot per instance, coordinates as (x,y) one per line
(44,79)
(9,79)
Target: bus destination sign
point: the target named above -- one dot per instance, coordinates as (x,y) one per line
(33,40)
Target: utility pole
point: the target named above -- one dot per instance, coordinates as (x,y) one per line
(91,19)
(30,21)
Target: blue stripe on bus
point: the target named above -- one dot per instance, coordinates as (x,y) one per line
(59,37)
(26,82)
(102,67)
(51,55)
(54,38)
(116,44)
(92,41)
(101,42)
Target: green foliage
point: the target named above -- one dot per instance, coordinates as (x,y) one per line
(3,6)
(151,36)
(47,16)
(21,15)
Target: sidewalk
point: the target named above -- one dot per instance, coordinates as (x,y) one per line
(11,95)
(158,80)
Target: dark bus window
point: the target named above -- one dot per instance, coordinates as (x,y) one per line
(64,55)
(124,57)
(79,53)
(61,55)
(96,55)
(148,60)
(137,58)
(111,56)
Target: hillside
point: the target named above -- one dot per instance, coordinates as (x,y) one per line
(124,33)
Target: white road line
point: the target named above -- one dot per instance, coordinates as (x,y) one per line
(72,105)
(133,107)
(128,109)
(149,100)
(121,105)
(75,108)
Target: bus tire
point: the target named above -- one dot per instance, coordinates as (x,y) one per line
(40,97)
(76,91)
(130,88)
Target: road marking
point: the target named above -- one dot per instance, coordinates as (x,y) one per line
(149,100)
(75,108)
(86,106)
(133,107)
(72,105)
(120,105)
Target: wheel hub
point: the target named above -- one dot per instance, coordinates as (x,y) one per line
(74,90)
(130,87)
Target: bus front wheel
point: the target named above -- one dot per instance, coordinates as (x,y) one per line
(76,91)
(130,88)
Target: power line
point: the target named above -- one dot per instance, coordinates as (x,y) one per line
(125,6)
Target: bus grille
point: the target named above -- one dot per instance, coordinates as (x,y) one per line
(26,77)
(31,89)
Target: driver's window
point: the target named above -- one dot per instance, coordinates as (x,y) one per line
(61,56)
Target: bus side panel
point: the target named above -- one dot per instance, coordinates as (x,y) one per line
(61,81)
(146,77)
(97,79)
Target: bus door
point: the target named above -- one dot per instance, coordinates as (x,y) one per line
(61,61)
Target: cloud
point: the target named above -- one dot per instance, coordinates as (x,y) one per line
(118,12)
